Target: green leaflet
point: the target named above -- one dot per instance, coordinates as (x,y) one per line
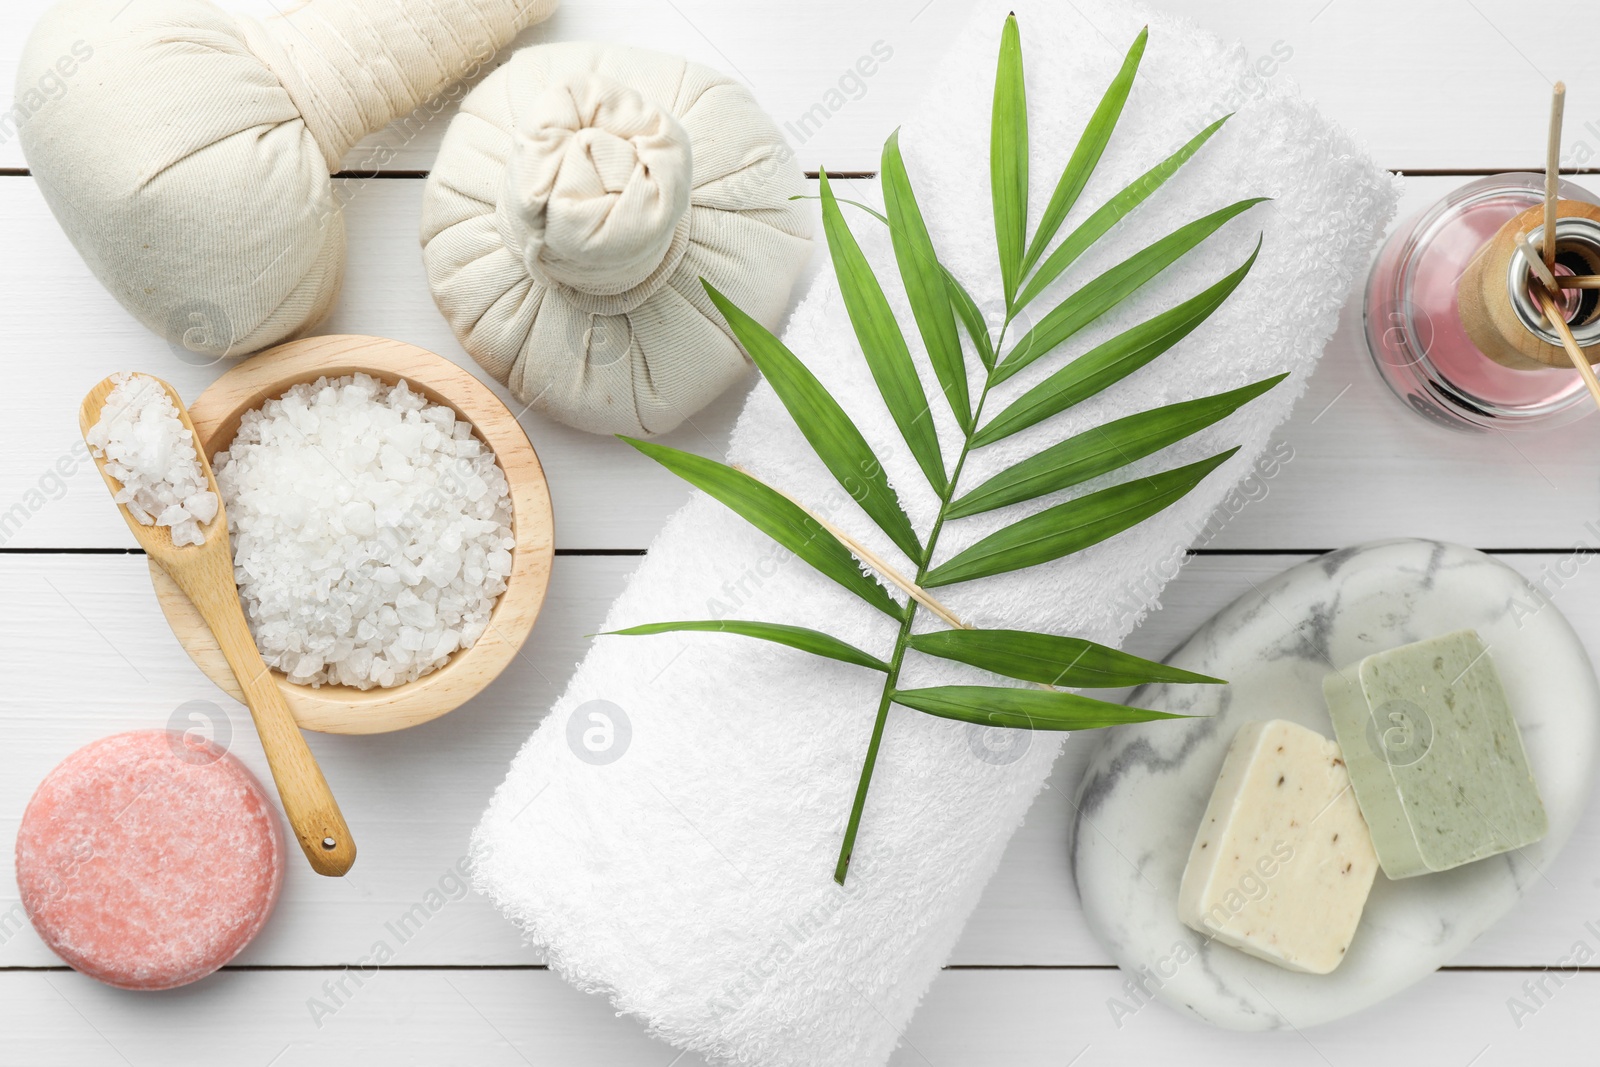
(853,203)
(1028,709)
(961,302)
(1008,158)
(806,640)
(1114,210)
(967,311)
(1050,660)
(1102,449)
(1110,362)
(833,436)
(1086,156)
(926,286)
(1111,288)
(774,515)
(882,342)
(1073,526)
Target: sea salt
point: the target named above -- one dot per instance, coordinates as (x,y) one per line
(151,452)
(371,531)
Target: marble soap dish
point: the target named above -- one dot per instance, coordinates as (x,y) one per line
(1146,786)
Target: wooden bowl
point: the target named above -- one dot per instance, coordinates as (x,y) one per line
(340,709)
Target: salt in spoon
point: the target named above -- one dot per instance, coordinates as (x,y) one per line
(205,574)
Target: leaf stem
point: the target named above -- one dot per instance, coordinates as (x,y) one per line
(847,846)
(892,679)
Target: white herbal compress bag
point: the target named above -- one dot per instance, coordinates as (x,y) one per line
(578,199)
(188,156)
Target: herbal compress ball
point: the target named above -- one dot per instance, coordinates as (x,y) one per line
(187,153)
(578,199)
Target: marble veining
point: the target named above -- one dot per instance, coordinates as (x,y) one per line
(1147,785)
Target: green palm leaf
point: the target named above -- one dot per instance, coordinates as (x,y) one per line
(1113,287)
(1110,362)
(1027,709)
(835,439)
(806,640)
(1051,660)
(926,287)
(1114,210)
(1008,158)
(943,308)
(1096,135)
(774,515)
(882,342)
(1073,526)
(1102,449)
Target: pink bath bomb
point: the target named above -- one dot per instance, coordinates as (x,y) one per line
(149,859)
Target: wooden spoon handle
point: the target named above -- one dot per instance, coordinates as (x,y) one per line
(312,811)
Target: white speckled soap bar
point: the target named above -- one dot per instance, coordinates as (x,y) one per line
(1282,865)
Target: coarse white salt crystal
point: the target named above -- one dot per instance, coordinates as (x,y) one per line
(149,450)
(369,545)
(203,506)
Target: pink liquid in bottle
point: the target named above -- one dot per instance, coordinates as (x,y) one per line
(1413,320)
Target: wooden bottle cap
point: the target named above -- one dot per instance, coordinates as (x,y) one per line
(1496,309)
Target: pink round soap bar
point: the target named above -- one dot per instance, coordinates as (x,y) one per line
(149,859)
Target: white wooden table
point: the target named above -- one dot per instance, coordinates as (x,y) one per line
(1441,89)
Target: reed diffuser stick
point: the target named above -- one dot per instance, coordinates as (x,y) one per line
(1552,174)
(1579,281)
(1536,265)
(1547,287)
(1559,323)
(877,563)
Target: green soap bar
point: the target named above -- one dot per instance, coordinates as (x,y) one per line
(1434,755)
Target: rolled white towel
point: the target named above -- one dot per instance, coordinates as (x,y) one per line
(689,878)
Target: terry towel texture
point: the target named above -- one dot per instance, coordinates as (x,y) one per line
(689,878)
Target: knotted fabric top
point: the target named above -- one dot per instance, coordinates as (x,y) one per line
(579,199)
(596,194)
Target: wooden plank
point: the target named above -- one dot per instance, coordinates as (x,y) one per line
(1359,464)
(1047,1018)
(795,61)
(483,1018)
(72,333)
(131,674)
(126,672)
(1461,86)
(1005,1018)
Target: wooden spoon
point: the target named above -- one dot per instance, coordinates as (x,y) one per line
(205,574)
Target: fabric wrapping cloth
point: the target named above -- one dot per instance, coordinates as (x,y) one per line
(687,875)
(187,153)
(579,198)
